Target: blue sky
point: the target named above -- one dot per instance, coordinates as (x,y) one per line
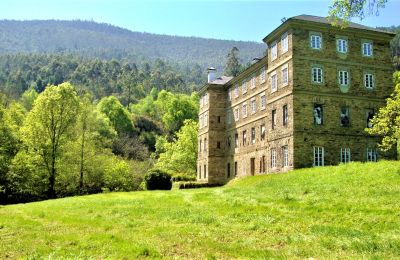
(223,19)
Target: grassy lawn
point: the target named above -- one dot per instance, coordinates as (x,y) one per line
(348,211)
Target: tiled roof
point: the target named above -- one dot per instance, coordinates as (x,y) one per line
(221,80)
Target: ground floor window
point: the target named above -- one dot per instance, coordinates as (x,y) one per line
(236,168)
(372,155)
(262,164)
(318,156)
(228,169)
(273,158)
(345,155)
(199,173)
(285,153)
(205,171)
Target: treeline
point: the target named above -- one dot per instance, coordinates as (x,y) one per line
(102,78)
(394,45)
(62,142)
(104,41)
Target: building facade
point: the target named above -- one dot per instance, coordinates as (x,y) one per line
(306,103)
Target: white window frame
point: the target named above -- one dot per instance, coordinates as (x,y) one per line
(317,74)
(263,101)
(253,81)
(244,86)
(372,155)
(262,74)
(262,132)
(344,77)
(319,156)
(273,158)
(341,45)
(244,110)
(367,49)
(345,155)
(284,43)
(274,51)
(285,75)
(316,41)
(369,80)
(253,137)
(237,114)
(236,90)
(285,151)
(253,105)
(274,82)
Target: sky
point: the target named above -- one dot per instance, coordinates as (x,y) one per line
(231,20)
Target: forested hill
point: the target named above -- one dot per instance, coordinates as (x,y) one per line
(105,41)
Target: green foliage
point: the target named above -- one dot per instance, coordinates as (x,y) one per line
(193,185)
(232,67)
(180,155)
(387,122)
(341,11)
(157,180)
(28,98)
(117,176)
(343,212)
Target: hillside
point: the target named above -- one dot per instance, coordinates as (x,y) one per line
(105,41)
(348,211)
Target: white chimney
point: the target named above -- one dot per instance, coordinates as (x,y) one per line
(211,74)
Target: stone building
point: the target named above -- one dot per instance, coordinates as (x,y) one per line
(306,103)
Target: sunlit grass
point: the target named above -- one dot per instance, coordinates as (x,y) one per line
(349,211)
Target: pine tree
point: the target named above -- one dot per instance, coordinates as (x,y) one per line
(232,67)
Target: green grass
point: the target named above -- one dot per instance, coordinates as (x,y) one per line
(348,211)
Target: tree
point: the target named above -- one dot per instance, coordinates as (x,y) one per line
(180,155)
(232,67)
(48,126)
(341,11)
(387,122)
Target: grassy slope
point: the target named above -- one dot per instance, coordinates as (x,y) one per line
(346,211)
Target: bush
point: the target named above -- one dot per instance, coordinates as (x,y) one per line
(157,180)
(182,177)
(194,185)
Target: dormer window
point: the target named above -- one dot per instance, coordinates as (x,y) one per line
(316,41)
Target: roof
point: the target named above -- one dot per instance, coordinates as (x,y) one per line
(324,20)
(318,19)
(221,80)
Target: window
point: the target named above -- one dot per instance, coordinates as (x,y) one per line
(218,145)
(200,172)
(372,155)
(228,170)
(237,114)
(344,117)
(285,76)
(273,158)
(369,81)
(262,75)
(236,90)
(344,155)
(318,114)
(285,153)
(228,141)
(205,144)
(274,82)
(274,51)
(316,74)
(343,77)
(236,168)
(201,121)
(253,81)
(244,137)
(236,140)
(273,118)
(341,45)
(200,144)
(285,116)
(316,42)
(262,132)
(285,43)
(262,164)
(367,49)
(369,115)
(206,99)
(230,94)
(205,119)
(318,156)
(263,101)
(253,106)
(229,117)
(205,171)
(244,86)
(244,109)
(219,119)
(253,135)
(201,101)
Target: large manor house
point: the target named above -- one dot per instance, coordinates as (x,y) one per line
(306,103)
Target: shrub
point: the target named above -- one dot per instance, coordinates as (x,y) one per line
(157,180)
(194,185)
(182,177)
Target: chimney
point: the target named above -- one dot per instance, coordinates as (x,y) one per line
(255,60)
(211,74)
